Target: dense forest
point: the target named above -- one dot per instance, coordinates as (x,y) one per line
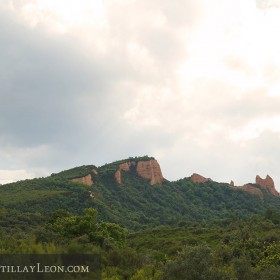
(176,230)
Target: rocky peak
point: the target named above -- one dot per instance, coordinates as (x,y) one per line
(147,169)
(150,170)
(196,178)
(267,183)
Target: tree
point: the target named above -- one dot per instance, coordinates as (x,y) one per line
(108,233)
(194,263)
(71,226)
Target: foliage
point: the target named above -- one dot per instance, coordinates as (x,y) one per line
(229,249)
(270,256)
(194,263)
(70,226)
(75,172)
(45,195)
(135,204)
(179,230)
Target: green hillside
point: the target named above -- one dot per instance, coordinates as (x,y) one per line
(135,204)
(175,230)
(44,195)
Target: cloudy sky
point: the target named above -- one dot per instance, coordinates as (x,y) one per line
(194,83)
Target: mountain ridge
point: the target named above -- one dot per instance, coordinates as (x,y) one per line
(149,168)
(138,200)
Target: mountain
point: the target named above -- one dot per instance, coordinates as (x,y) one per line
(134,194)
(144,226)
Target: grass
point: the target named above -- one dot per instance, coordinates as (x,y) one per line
(27,195)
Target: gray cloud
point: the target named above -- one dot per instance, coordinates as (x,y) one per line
(44,81)
(69,99)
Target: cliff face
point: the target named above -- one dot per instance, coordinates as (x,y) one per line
(149,170)
(267,183)
(118,177)
(126,166)
(196,178)
(123,167)
(87,180)
(252,190)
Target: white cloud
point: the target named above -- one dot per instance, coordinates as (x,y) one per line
(256,127)
(9,176)
(58,16)
(95,79)
(268,4)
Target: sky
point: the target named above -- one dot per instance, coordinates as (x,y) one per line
(193,83)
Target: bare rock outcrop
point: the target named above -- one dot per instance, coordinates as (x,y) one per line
(118,177)
(123,167)
(87,180)
(126,166)
(94,171)
(149,170)
(252,190)
(267,183)
(196,178)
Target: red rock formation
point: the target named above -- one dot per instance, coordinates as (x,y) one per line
(252,190)
(94,171)
(87,180)
(267,183)
(118,177)
(150,170)
(125,166)
(196,178)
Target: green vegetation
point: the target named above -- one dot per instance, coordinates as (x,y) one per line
(232,249)
(135,204)
(75,172)
(45,195)
(138,205)
(179,230)
(108,170)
